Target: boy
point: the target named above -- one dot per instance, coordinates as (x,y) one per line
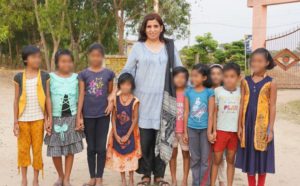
(32,106)
(226,121)
(181,76)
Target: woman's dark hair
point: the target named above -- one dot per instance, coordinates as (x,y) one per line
(267,55)
(98,47)
(232,66)
(126,77)
(150,17)
(204,71)
(180,69)
(62,52)
(218,66)
(27,51)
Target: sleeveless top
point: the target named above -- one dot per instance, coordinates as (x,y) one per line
(123,124)
(260,93)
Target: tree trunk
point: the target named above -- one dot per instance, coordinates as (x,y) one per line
(121,38)
(55,48)
(97,21)
(42,35)
(10,52)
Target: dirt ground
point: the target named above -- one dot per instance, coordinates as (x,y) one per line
(287,140)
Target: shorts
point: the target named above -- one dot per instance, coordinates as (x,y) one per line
(178,140)
(226,140)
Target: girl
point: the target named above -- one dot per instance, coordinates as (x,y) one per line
(32,109)
(95,85)
(216,74)
(181,77)
(124,149)
(256,120)
(65,138)
(198,121)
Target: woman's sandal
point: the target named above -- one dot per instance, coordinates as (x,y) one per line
(144,182)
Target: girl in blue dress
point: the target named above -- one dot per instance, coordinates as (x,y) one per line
(255,154)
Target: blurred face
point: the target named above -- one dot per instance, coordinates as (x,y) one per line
(216,76)
(34,60)
(258,63)
(95,58)
(65,64)
(231,79)
(126,87)
(180,80)
(153,30)
(197,78)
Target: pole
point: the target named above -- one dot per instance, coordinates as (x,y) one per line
(245,53)
(156,6)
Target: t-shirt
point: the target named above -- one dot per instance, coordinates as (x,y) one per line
(228,104)
(198,102)
(96,91)
(179,117)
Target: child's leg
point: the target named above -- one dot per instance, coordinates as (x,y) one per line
(101,130)
(230,166)
(261,179)
(24,141)
(194,146)
(218,157)
(89,130)
(131,180)
(251,180)
(173,166)
(37,134)
(123,179)
(68,168)
(57,161)
(222,172)
(186,167)
(206,153)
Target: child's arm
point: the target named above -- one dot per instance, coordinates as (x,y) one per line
(240,127)
(16,110)
(185,119)
(211,104)
(215,118)
(111,93)
(113,121)
(135,117)
(273,99)
(48,116)
(79,122)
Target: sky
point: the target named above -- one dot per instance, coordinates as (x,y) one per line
(230,20)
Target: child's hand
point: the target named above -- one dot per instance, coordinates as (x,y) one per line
(125,138)
(79,124)
(270,136)
(118,139)
(109,108)
(48,126)
(185,138)
(211,138)
(16,129)
(215,135)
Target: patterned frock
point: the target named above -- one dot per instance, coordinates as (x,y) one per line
(249,159)
(124,157)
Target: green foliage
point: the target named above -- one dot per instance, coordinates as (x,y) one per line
(209,51)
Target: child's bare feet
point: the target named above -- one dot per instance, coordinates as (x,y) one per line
(35,183)
(131,182)
(67,183)
(174,183)
(59,182)
(184,183)
(99,182)
(24,182)
(124,182)
(92,182)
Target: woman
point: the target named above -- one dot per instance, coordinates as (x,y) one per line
(148,62)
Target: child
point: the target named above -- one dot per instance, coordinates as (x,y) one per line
(216,74)
(95,85)
(124,148)
(198,120)
(32,105)
(181,77)
(255,154)
(65,138)
(226,121)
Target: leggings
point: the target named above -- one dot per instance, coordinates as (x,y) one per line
(96,130)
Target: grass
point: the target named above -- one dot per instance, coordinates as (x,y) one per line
(290,111)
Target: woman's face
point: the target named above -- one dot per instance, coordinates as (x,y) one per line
(65,64)
(34,60)
(216,75)
(153,29)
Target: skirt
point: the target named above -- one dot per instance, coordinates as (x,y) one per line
(64,139)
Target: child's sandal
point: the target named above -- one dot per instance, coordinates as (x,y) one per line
(144,182)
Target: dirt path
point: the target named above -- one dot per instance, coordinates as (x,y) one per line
(287,141)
